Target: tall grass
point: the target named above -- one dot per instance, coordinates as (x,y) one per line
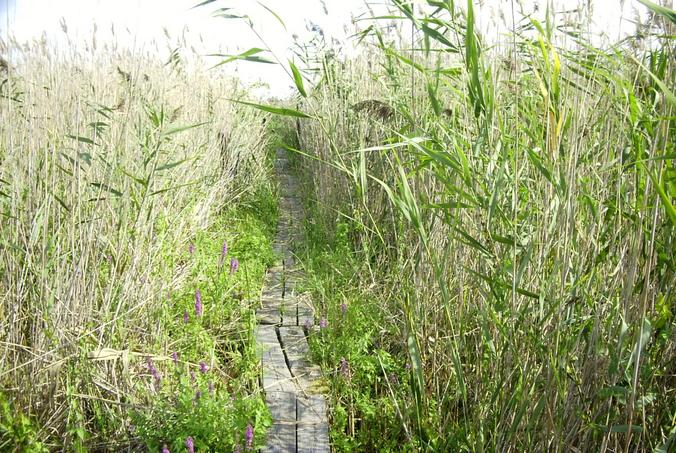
(514,213)
(110,163)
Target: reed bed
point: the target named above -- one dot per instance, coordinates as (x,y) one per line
(111,163)
(508,209)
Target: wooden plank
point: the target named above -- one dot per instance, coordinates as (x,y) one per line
(276,376)
(281,163)
(272,295)
(266,335)
(282,434)
(272,291)
(305,315)
(269,315)
(295,345)
(280,245)
(296,348)
(289,312)
(313,429)
(288,259)
(274,276)
(292,276)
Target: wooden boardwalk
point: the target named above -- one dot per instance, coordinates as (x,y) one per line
(299,414)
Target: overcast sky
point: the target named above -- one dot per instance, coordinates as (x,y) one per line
(140,24)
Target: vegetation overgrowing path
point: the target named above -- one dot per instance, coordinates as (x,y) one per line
(298,414)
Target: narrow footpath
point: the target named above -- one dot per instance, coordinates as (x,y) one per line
(299,415)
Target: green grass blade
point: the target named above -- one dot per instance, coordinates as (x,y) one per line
(276,110)
(298,79)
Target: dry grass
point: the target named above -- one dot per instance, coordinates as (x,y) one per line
(100,194)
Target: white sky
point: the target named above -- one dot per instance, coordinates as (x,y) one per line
(140,24)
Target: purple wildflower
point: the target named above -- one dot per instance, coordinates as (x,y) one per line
(198,395)
(308,323)
(343,308)
(203,368)
(191,248)
(186,317)
(198,302)
(249,436)
(190,445)
(211,388)
(193,378)
(165,449)
(323,323)
(153,371)
(224,252)
(238,448)
(234,265)
(344,368)
(174,357)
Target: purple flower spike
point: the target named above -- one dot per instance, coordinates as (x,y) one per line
(190,445)
(211,388)
(193,378)
(198,302)
(153,371)
(234,265)
(191,248)
(249,436)
(165,449)
(224,252)
(344,368)
(203,368)
(323,323)
(343,308)
(238,448)
(186,317)
(174,357)
(308,323)
(198,395)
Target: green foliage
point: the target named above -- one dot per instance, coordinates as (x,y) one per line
(200,407)
(215,407)
(361,373)
(18,432)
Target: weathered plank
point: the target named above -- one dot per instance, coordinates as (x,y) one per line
(305,315)
(288,259)
(276,376)
(269,315)
(292,276)
(289,312)
(312,435)
(296,348)
(282,434)
(274,276)
(272,295)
